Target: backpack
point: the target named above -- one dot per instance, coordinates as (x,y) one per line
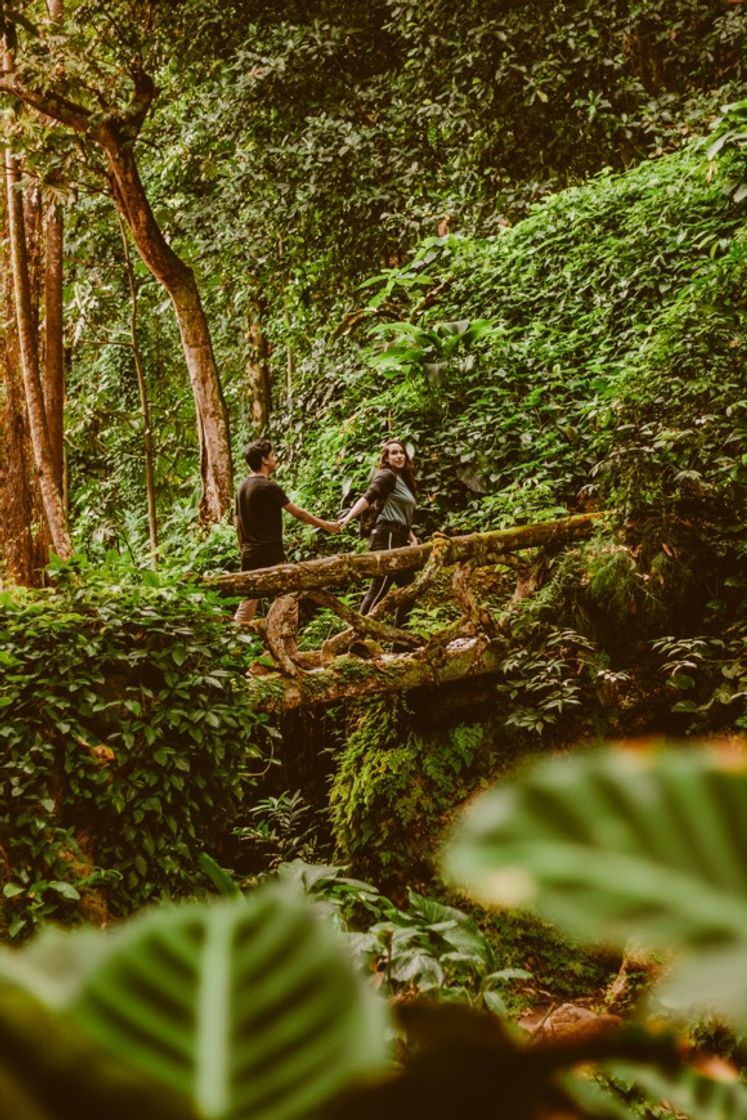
(369,517)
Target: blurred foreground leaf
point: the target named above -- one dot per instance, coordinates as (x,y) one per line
(249,1007)
(687,1090)
(625,844)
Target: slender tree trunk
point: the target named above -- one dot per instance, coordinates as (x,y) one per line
(290,364)
(51,496)
(54,355)
(24,537)
(148,448)
(258,376)
(178,280)
(32,225)
(54,351)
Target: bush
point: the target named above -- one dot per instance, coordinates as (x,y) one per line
(127,743)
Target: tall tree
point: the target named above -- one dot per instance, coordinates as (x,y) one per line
(54,354)
(24,536)
(113,130)
(26,325)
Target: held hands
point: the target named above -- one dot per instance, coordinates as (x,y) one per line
(331,526)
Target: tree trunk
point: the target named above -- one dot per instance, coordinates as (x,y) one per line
(338,571)
(54,349)
(24,538)
(33,237)
(54,354)
(178,280)
(258,369)
(148,448)
(51,496)
(350,676)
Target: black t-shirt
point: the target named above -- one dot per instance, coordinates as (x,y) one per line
(259,508)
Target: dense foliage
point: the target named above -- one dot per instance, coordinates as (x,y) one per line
(509,235)
(360,126)
(296,148)
(127,744)
(299,1035)
(592,352)
(591,355)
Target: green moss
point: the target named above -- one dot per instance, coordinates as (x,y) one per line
(394,789)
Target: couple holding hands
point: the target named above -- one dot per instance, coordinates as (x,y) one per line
(259,515)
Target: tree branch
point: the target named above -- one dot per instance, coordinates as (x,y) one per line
(51,104)
(130,120)
(351,676)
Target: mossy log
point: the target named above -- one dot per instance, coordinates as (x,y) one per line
(394,672)
(346,568)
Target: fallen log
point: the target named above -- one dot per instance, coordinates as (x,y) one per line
(345,568)
(395,672)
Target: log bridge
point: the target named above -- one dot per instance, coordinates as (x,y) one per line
(355,661)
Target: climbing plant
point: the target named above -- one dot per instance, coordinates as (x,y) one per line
(127,744)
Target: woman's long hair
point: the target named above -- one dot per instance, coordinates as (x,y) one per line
(407,475)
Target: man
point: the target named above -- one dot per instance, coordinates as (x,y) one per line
(259,518)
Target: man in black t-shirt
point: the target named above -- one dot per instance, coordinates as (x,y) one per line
(259,518)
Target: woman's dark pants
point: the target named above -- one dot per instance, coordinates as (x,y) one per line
(386,535)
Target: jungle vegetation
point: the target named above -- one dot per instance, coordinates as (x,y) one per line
(514,236)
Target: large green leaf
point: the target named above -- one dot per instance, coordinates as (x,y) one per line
(248,1006)
(618,845)
(714,979)
(50,1070)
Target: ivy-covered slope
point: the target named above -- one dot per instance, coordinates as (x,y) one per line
(592,354)
(594,351)
(128,744)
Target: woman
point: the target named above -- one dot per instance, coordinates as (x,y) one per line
(393,490)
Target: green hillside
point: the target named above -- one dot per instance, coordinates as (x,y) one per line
(593,353)
(592,356)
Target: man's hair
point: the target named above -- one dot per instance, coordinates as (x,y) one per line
(256,452)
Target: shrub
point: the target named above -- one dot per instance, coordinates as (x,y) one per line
(127,744)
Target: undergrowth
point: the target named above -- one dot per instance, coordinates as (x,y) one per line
(592,353)
(127,743)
